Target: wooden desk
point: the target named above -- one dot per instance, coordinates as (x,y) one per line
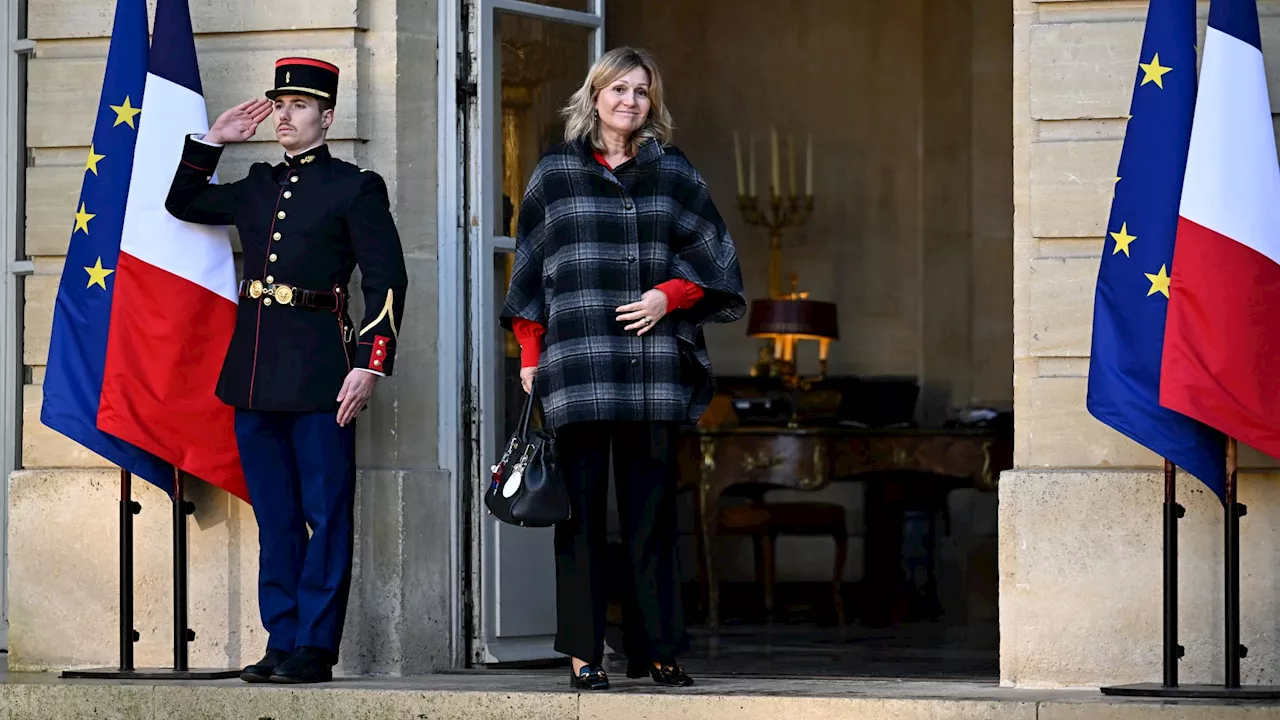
(714,460)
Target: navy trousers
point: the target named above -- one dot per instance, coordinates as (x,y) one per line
(300,470)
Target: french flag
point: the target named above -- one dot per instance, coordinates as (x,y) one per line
(175,286)
(1221,358)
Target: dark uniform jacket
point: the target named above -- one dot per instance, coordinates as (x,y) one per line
(590,240)
(304,224)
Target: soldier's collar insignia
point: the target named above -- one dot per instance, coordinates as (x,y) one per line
(307,159)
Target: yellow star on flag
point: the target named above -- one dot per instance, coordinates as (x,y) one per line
(82,220)
(1123,238)
(98,275)
(1159,282)
(92,164)
(126,113)
(1154,72)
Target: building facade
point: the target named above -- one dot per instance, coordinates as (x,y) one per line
(424,99)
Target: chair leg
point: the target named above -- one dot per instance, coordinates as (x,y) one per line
(767,544)
(837,577)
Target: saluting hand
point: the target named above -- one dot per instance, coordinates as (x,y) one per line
(240,122)
(354,395)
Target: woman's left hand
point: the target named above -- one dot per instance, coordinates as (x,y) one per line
(646,313)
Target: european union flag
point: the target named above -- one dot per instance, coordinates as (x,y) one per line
(1137,259)
(82,312)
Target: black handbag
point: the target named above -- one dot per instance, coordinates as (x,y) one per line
(526,488)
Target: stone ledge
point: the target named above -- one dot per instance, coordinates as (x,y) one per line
(1094,536)
(545,696)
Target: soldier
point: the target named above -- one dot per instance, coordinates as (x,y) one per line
(298,371)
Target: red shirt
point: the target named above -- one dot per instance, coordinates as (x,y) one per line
(681,294)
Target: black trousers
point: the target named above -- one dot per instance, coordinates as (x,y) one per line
(644,467)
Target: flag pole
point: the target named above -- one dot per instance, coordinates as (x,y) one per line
(128,508)
(1231,560)
(1173,652)
(1172,513)
(182,634)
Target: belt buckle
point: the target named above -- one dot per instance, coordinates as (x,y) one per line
(255,289)
(284,294)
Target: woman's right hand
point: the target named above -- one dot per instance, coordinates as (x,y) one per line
(240,122)
(526,378)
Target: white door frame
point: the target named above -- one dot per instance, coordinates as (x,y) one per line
(469,110)
(16,265)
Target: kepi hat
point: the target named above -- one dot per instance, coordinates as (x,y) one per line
(305,76)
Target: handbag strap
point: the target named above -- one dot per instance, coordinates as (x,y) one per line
(522,430)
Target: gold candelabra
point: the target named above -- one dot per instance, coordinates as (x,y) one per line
(779,214)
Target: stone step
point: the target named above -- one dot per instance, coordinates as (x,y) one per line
(499,695)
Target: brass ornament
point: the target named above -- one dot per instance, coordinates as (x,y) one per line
(255,289)
(284,294)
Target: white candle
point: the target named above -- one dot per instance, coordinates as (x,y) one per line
(752,169)
(776,176)
(808,168)
(737,162)
(791,164)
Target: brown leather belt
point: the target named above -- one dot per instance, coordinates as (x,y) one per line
(332,300)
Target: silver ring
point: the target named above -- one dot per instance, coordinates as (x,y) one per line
(645,320)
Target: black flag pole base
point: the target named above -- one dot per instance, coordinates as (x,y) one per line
(182,633)
(1245,692)
(148,674)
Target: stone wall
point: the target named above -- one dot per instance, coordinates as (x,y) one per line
(62,553)
(1080,525)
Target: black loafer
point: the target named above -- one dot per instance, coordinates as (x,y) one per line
(589,678)
(261,671)
(306,665)
(672,675)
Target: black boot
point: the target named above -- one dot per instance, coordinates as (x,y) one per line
(306,665)
(261,670)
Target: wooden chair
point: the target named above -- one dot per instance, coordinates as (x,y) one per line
(765,521)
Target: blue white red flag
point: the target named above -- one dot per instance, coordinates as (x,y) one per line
(1222,347)
(172,285)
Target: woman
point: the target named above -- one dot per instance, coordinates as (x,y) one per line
(620,259)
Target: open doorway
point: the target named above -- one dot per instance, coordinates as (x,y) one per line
(889,567)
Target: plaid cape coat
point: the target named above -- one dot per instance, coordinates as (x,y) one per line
(589,240)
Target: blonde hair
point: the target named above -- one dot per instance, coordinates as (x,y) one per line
(580,116)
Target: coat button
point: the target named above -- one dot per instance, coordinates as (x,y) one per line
(635,362)
(377,363)
(293,179)
(280,215)
(276,236)
(631,258)
(270,279)
(288,194)
(627,205)
(272,257)
(266,301)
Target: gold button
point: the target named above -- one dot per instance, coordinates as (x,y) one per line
(272,257)
(276,236)
(288,194)
(293,179)
(266,301)
(270,279)
(376,363)
(280,214)
(379,353)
